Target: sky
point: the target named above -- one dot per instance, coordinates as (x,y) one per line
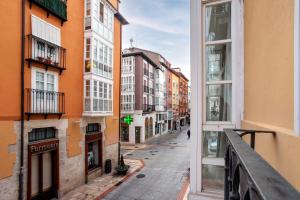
(161,26)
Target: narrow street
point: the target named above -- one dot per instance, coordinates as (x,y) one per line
(166,168)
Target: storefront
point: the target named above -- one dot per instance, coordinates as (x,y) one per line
(43,164)
(93,149)
(124,132)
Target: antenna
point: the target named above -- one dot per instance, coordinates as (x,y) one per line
(131,42)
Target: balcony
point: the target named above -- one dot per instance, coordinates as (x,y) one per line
(41,102)
(46,53)
(248,175)
(58,8)
(148,108)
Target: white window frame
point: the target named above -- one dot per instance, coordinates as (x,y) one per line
(197,82)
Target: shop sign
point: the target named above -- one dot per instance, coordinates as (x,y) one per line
(39,148)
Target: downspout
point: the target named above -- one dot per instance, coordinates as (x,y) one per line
(21,176)
(119,147)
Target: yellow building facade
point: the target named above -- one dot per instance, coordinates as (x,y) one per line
(175,98)
(245,74)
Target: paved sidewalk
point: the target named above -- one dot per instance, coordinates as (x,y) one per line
(134,147)
(102,185)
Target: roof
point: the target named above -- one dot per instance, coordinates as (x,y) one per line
(121,18)
(133,52)
(155,57)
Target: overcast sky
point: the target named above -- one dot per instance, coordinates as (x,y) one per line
(161,26)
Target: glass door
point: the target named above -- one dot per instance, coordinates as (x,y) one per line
(217,91)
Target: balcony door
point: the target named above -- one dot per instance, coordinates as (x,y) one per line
(217,91)
(44,97)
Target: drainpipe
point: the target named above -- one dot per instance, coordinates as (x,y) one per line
(119,147)
(21,176)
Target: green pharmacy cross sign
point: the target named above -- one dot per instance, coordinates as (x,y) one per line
(128,119)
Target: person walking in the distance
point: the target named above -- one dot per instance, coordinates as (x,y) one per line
(189,134)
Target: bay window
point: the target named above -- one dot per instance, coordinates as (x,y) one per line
(217,102)
(102,96)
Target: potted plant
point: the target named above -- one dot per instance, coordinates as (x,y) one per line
(122,168)
(39,58)
(48,61)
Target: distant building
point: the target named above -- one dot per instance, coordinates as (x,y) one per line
(147,95)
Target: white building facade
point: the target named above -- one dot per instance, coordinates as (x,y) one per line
(98,81)
(160,101)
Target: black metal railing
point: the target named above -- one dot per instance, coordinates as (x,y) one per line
(57,8)
(46,53)
(148,108)
(248,176)
(41,102)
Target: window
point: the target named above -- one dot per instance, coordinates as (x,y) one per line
(38,134)
(102,59)
(101,14)
(217,54)
(87,48)
(218,62)
(102,97)
(87,7)
(93,128)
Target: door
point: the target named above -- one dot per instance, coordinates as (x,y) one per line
(137,135)
(42,176)
(44,94)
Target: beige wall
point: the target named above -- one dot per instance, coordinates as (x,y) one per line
(269,62)
(269,97)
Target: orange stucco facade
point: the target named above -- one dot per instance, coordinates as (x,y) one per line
(70,82)
(269,83)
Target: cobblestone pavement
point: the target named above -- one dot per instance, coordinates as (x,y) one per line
(166,168)
(100,185)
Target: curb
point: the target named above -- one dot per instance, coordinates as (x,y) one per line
(183,190)
(121,181)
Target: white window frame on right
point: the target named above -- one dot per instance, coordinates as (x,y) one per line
(199,121)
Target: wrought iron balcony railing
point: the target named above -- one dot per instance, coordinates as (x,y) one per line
(46,53)
(41,102)
(57,8)
(148,108)
(248,175)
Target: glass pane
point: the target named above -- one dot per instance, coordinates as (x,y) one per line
(218,22)
(213,144)
(218,102)
(213,177)
(218,62)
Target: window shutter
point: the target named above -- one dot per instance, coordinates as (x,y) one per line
(44,30)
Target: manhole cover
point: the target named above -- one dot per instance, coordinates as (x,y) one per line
(130,154)
(171,147)
(136,147)
(174,143)
(156,151)
(141,176)
(153,154)
(147,158)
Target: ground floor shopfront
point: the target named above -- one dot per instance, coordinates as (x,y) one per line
(141,128)
(59,155)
